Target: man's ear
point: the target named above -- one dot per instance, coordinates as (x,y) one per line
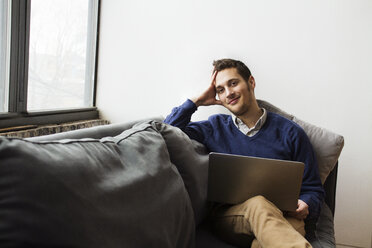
(251,82)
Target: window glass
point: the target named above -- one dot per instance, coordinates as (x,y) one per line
(61,54)
(4,54)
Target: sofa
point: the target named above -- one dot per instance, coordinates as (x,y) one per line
(137,184)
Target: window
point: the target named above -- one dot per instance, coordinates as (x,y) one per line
(4,54)
(60,54)
(48,59)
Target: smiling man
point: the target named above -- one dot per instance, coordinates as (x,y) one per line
(252,131)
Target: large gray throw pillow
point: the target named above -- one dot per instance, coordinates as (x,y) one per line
(191,159)
(113,192)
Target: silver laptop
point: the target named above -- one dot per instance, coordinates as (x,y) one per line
(234,179)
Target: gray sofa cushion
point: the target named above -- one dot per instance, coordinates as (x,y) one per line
(191,159)
(321,233)
(93,193)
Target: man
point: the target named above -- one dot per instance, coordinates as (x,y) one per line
(252,131)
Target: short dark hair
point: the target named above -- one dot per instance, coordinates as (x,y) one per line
(223,64)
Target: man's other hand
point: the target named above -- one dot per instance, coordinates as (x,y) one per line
(208,97)
(301,212)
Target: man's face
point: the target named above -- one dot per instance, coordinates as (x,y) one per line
(234,92)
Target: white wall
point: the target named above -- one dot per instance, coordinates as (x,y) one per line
(311,58)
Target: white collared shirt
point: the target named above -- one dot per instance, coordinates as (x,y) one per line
(253,130)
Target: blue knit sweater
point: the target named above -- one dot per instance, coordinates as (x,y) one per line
(279,138)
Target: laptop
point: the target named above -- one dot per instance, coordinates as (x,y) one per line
(234,179)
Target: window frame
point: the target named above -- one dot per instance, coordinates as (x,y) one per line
(17,114)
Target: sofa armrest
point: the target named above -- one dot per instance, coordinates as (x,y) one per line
(330,189)
(97,132)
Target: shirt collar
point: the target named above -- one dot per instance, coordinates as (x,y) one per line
(253,130)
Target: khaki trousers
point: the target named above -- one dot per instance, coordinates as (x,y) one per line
(257,223)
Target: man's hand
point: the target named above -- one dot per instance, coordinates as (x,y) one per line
(301,212)
(208,97)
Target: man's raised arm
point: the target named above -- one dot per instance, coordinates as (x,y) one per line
(180,116)
(208,97)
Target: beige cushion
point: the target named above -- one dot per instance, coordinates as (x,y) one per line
(327,145)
